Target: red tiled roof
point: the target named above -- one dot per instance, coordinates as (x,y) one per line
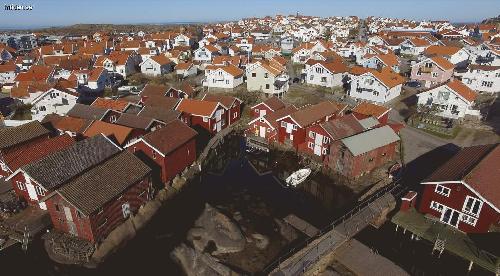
(197,107)
(170,137)
(227,101)
(118,132)
(309,115)
(442,62)
(21,156)
(370,109)
(462,89)
(117,105)
(477,166)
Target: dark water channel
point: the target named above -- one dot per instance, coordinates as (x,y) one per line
(230,184)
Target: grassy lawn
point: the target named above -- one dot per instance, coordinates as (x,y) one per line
(456,130)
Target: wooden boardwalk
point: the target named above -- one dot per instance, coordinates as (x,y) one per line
(301,225)
(213,143)
(304,256)
(362,261)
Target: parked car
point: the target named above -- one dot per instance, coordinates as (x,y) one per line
(414,84)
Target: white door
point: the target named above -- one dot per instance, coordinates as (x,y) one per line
(69,220)
(262,112)
(319,139)
(263,132)
(126,210)
(31,191)
(289,128)
(218,115)
(219,126)
(317,150)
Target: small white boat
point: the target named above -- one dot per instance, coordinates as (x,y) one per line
(298,177)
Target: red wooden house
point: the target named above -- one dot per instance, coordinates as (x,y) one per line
(39,178)
(321,136)
(464,192)
(122,135)
(266,126)
(356,155)
(206,114)
(172,148)
(292,130)
(11,139)
(32,152)
(232,104)
(366,109)
(185,91)
(268,106)
(94,113)
(94,203)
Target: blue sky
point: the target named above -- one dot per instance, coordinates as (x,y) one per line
(65,12)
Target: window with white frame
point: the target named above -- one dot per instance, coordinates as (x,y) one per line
(294,127)
(442,190)
(472,206)
(487,84)
(469,220)
(20,185)
(310,145)
(434,74)
(312,134)
(205,119)
(436,206)
(235,114)
(39,191)
(283,124)
(326,140)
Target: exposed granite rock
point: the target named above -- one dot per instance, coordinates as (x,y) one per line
(197,263)
(261,241)
(215,232)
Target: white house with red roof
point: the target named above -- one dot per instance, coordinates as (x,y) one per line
(227,77)
(93,80)
(450,100)
(156,66)
(206,53)
(53,101)
(327,74)
(377,86)
(8,72)
(483,78)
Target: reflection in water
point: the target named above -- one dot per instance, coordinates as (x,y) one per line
(232,185)
(412,255)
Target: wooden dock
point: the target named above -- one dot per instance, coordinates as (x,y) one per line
(301,225)
(257,143)
(24,226)
(306,255)
(361,260)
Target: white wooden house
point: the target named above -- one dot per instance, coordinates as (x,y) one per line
(228,76)
(377,86)
(53,101)
(451,100)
